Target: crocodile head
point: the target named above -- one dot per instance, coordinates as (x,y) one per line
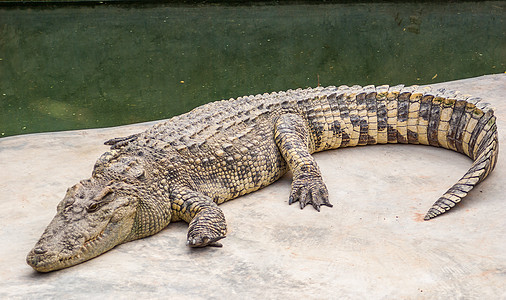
(93,217)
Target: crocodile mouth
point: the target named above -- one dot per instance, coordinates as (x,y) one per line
(64,244)
(43,260)
(84,252)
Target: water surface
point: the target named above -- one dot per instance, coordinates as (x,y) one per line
(75,67)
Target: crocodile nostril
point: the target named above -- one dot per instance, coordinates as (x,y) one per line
(39,250)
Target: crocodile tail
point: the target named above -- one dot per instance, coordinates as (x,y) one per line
(415,115)
(475,135)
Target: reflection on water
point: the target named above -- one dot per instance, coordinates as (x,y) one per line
(83,67)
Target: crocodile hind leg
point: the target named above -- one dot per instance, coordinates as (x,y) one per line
(294,142)
(206,220)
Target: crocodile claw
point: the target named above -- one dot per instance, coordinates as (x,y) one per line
(198,242)
(309,191)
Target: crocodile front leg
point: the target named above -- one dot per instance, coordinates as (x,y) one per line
(294,142)
(206,220)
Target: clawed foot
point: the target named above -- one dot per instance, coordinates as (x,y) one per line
(309,190)
(207,228)
(205,241)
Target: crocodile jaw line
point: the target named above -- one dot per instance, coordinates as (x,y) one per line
(42,258)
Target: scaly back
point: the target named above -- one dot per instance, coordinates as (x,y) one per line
(343,117)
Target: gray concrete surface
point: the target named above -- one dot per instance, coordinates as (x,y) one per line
(371,244)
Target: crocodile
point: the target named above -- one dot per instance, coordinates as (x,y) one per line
(182,168)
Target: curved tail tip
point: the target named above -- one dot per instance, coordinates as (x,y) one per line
(432,213)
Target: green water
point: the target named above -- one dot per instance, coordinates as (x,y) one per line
(97,66)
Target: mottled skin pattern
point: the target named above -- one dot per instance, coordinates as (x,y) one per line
(182,168)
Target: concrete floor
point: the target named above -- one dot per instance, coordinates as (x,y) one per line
(372,244)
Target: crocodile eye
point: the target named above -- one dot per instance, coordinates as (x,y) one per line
(93,207)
